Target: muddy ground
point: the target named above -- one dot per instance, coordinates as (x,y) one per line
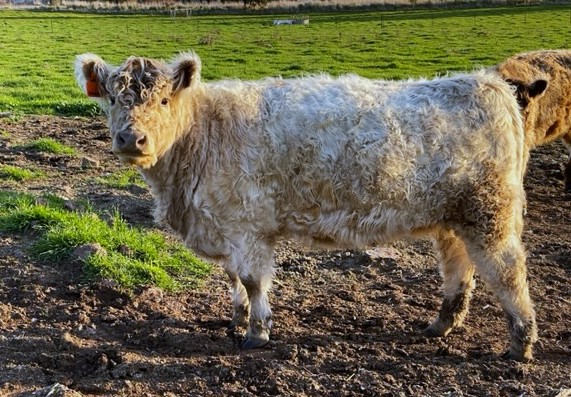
(347,323)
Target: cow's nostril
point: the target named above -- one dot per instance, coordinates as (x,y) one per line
(141,142)
(120,140)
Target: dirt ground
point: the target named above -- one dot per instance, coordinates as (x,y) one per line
(346,323)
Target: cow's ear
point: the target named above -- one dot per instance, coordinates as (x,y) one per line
(536,88)
(525,92)
(91,73)
(186,71)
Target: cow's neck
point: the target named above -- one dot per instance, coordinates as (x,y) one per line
(209,139)
(177,168)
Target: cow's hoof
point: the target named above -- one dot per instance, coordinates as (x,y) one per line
(431,332)
(437,329)
(254,342)
(518,355)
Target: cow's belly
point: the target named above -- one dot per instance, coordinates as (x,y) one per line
(357,228)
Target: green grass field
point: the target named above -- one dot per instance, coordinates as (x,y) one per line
(37,49)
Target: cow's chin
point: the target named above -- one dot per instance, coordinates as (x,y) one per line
(142,161)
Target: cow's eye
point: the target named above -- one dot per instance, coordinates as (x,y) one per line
(165,101)
(112,100)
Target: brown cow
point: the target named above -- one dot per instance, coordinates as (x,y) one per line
(547,110)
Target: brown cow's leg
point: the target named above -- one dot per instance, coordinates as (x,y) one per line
(240,303)
(457,272)
(502,267)
(567,174)
(567,171)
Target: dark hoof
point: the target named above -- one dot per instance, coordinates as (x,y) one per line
(522,358)
(432,332)
(251,342)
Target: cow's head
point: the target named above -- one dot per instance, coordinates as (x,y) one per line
(543,87)
(146,101)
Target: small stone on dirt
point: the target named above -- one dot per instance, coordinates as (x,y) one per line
(82,252)
(55,390)
(88,162)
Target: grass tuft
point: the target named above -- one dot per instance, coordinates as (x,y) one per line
(20,213)
(64,108)
(49,145)
(18,174)
(122,179)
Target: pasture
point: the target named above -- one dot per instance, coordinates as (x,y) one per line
(145,318)
(38,48)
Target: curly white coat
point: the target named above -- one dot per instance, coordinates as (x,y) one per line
(337,162)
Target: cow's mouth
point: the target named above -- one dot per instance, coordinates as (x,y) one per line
(140,159)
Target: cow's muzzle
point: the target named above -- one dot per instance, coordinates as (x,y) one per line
(129,142)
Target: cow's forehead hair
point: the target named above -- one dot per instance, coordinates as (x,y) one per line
(139,75)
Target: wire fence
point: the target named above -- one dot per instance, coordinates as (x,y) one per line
(185,8)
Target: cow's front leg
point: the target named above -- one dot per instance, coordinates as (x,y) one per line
(254,264)
(240,302)
(258,333)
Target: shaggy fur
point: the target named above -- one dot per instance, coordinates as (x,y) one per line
(547,116)
(344,162)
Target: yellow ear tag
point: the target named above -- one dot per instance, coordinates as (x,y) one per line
(92,86)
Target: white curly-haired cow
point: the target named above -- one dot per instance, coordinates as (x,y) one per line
(336,162)
(546,108)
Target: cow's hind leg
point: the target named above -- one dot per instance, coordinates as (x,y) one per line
(240,302)
(458,275)
(567,175)
(567,170)
(502,266)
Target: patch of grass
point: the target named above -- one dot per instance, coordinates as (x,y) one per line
(122,179)
(71,109)
(18,174)
(20,213)
(133,256)
(49,145)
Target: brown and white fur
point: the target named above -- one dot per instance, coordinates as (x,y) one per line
(546,110)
